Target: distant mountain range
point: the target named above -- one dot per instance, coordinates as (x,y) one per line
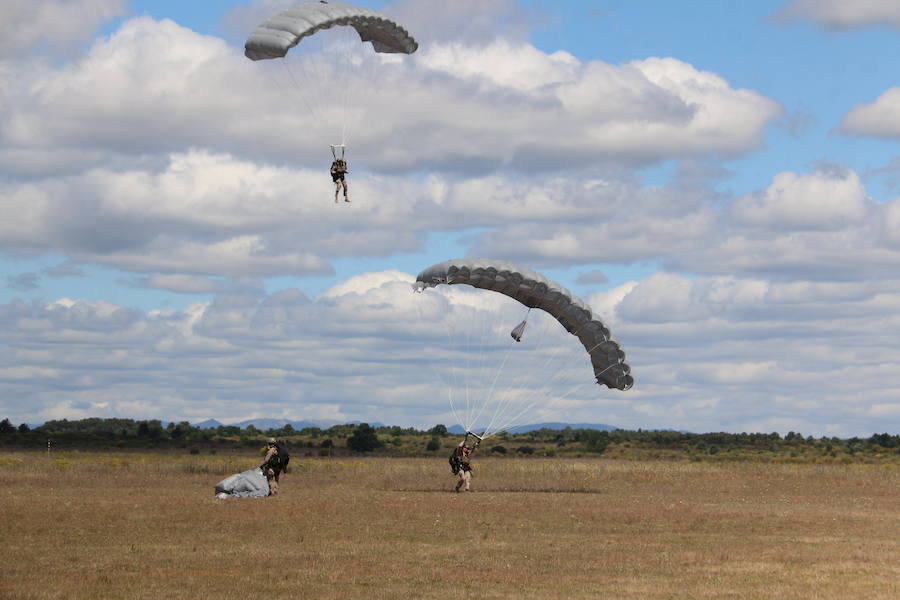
(265,424)
(457,430)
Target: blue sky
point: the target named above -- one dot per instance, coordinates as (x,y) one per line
(718,180)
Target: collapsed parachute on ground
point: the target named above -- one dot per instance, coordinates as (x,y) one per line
(275,36)
(535,291)
(249,484)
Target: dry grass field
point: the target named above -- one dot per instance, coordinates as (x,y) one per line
(80,525)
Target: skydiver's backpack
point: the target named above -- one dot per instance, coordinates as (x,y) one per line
(455,464)
(279,462)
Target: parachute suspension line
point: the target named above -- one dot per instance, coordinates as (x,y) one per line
(454,371)
(446,384)
(505,417)
(469,422)
(500,419)
(343,65)
(295,90)
(480,320)
(368,77)
(310,103)
(465,373)
(483,364)
(459,374)
(490,395)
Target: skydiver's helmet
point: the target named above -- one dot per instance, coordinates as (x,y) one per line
(271,441)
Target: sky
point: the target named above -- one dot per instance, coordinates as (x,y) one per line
(720,182)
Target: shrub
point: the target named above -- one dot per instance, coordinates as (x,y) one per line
(499,449)
(596,441)
(363,439)
(438,430)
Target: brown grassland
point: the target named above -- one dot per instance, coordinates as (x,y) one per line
(144,525)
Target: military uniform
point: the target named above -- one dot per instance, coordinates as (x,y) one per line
(271,473)
(463,456)
(338,170)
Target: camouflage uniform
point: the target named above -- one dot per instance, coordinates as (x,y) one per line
(463,456)
(270,473)
(338,170)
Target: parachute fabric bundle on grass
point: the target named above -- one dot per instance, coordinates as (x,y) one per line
(536,291)
(249,484)
(274,37)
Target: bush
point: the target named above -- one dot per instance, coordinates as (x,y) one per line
(525,450)
(363,439)
(595,441)
(433,445)
(499,449)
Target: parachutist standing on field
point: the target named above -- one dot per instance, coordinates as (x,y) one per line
(275,462)
(460,462)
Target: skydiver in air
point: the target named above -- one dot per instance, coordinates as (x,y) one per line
(460,462)
(338,170)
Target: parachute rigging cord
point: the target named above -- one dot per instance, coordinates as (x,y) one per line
(494,388)
(331,55)
(499,400)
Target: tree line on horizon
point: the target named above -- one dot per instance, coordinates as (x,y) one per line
(395,440)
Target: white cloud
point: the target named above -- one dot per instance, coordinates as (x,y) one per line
(707,354)
(59,24)
(473,21)
(816,226)
(206,215)
(879,119)
(452,106)
(816,201)
(194,174)
(839,14)
(361,284)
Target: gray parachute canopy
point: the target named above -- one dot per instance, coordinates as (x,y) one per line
(536,291)
(249,484)
(275,36)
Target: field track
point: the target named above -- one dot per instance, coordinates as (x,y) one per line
(82,525)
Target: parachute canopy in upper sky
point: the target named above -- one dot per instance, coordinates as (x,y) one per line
(275,36)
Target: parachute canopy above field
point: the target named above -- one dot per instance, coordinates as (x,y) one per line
(536,291)
(275,36)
